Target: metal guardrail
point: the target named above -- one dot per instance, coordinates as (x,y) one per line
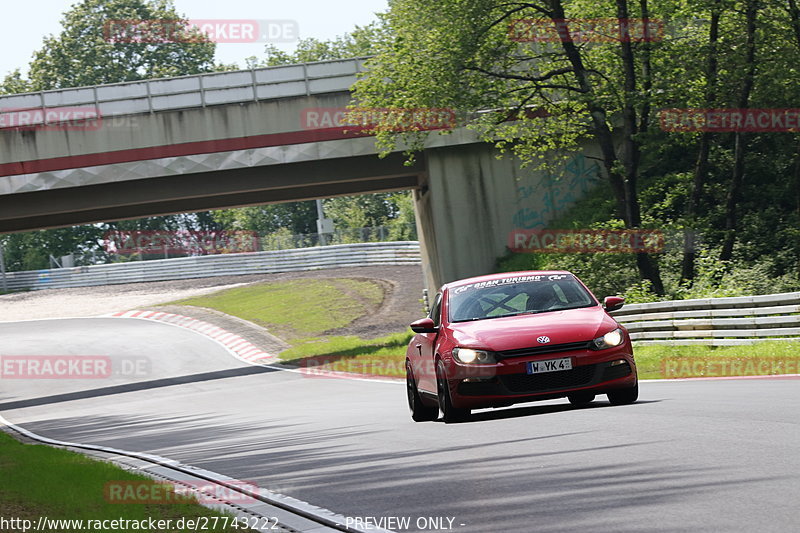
(322,257)
(201,90)
(714,321)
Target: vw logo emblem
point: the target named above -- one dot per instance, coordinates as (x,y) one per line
(543,339)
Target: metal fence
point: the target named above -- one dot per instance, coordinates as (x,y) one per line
(714,321)
(321,257)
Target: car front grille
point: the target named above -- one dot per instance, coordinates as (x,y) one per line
(539,350)
(577,377)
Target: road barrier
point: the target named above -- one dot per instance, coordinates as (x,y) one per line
(714,321)
(321,257)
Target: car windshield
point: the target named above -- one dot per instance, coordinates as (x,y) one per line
(516,296)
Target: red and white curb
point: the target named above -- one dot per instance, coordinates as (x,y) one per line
(240,348)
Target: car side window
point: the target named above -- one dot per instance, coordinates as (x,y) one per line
(436,314)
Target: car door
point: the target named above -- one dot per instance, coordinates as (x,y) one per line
(424,369)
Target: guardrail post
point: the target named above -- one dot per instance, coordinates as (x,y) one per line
(149,96)
(3,269)
(44,108)
(255,83)
(202,91)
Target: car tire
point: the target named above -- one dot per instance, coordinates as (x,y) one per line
(419,411)
(581,398)
(624,396)
(450,414)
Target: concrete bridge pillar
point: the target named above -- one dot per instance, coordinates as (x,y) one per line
(469,201)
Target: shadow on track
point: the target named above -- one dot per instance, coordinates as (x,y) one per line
(142,385)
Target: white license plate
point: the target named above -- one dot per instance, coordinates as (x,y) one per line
(550,365)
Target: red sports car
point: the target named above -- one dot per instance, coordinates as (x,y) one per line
(496,340)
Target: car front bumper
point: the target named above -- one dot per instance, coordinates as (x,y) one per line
(508,382)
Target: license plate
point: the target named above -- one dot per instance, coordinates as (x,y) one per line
(550,365)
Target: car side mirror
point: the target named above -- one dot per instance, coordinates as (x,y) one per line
(424,325)
(612,303)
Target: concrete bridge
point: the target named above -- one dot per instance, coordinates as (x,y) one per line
(250,137)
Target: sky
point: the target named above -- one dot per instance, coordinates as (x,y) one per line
(27,22)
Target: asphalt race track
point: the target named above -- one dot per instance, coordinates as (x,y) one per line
(689,456)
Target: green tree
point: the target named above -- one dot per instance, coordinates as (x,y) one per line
(297,217)
(464,55)
(14,83)
(83,54)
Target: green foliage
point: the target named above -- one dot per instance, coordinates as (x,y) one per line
(368,210)
(297,217)
(403,226)
(14,83)
(32,250)
(458,54)
(81,54)
(361,42)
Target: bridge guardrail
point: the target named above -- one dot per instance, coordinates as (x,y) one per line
(728,321)
(322,257)
(199,90)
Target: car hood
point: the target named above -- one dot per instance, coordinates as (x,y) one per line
(522,331)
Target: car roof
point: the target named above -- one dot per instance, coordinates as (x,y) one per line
(503,275)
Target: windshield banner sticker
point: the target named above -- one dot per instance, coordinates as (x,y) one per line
(509,281)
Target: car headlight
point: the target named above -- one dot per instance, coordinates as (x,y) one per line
(477,357)
(609,340)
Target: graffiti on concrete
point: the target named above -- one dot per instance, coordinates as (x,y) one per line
(544,196)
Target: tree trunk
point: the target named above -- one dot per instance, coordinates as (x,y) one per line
(647,70)
(623,183)
(631,154)
(737,178)
(701,167)
(797,178)
(794,17)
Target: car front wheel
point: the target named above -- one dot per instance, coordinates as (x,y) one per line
(624,396)
(419,411)
(449,413)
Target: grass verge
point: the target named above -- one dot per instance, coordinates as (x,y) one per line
(298,309)
(302,311)
(41,481)
(765,358)
(384,356)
